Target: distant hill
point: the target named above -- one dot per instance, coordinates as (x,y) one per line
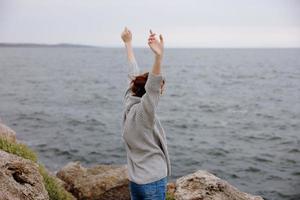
(64,45)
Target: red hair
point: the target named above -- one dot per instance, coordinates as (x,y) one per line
(138,86)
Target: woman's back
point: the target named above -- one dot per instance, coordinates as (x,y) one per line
(144,137)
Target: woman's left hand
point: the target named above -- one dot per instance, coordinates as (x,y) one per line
(156,46)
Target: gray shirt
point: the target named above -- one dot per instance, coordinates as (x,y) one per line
(143,135)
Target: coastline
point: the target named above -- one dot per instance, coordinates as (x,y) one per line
(101,182)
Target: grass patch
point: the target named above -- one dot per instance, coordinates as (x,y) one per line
(18,149)
(55,190)
(53,187)
(170,197)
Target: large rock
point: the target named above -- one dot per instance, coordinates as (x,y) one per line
(20,179)
(7,133)
(101,182)
(203,185)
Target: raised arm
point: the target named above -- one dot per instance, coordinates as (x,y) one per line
(133,68)
(149,102)
(158,48)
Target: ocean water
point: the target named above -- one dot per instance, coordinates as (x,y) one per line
(232,112)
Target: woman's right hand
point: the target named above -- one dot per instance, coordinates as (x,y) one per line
(156,46)
(126,35)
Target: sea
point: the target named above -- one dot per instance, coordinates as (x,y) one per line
(232,112)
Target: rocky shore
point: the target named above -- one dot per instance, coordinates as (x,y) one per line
(23,177)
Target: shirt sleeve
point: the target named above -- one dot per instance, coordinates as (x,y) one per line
(147,107)
(133,70)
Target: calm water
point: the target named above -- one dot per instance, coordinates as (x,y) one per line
(233,112)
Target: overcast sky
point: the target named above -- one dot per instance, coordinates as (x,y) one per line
(183,23)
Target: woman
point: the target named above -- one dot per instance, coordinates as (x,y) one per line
(148,160)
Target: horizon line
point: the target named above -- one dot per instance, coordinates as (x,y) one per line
(3,44)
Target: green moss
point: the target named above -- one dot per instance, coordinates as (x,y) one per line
(54,189)
(170,197)
(18,149)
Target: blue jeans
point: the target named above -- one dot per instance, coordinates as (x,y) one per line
(151,191)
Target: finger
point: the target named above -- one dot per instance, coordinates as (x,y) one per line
(151,32)
(161,38)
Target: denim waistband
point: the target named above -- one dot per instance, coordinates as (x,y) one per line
(158,182)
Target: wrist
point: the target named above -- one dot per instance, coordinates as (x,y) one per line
(158,57)
(127,43)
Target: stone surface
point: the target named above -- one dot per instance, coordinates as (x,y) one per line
(203,185)
(171,187)
(20,179)
(100,182)
(7,133)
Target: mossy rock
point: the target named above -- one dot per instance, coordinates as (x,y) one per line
(55,190)
(18,149)
(170,197)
